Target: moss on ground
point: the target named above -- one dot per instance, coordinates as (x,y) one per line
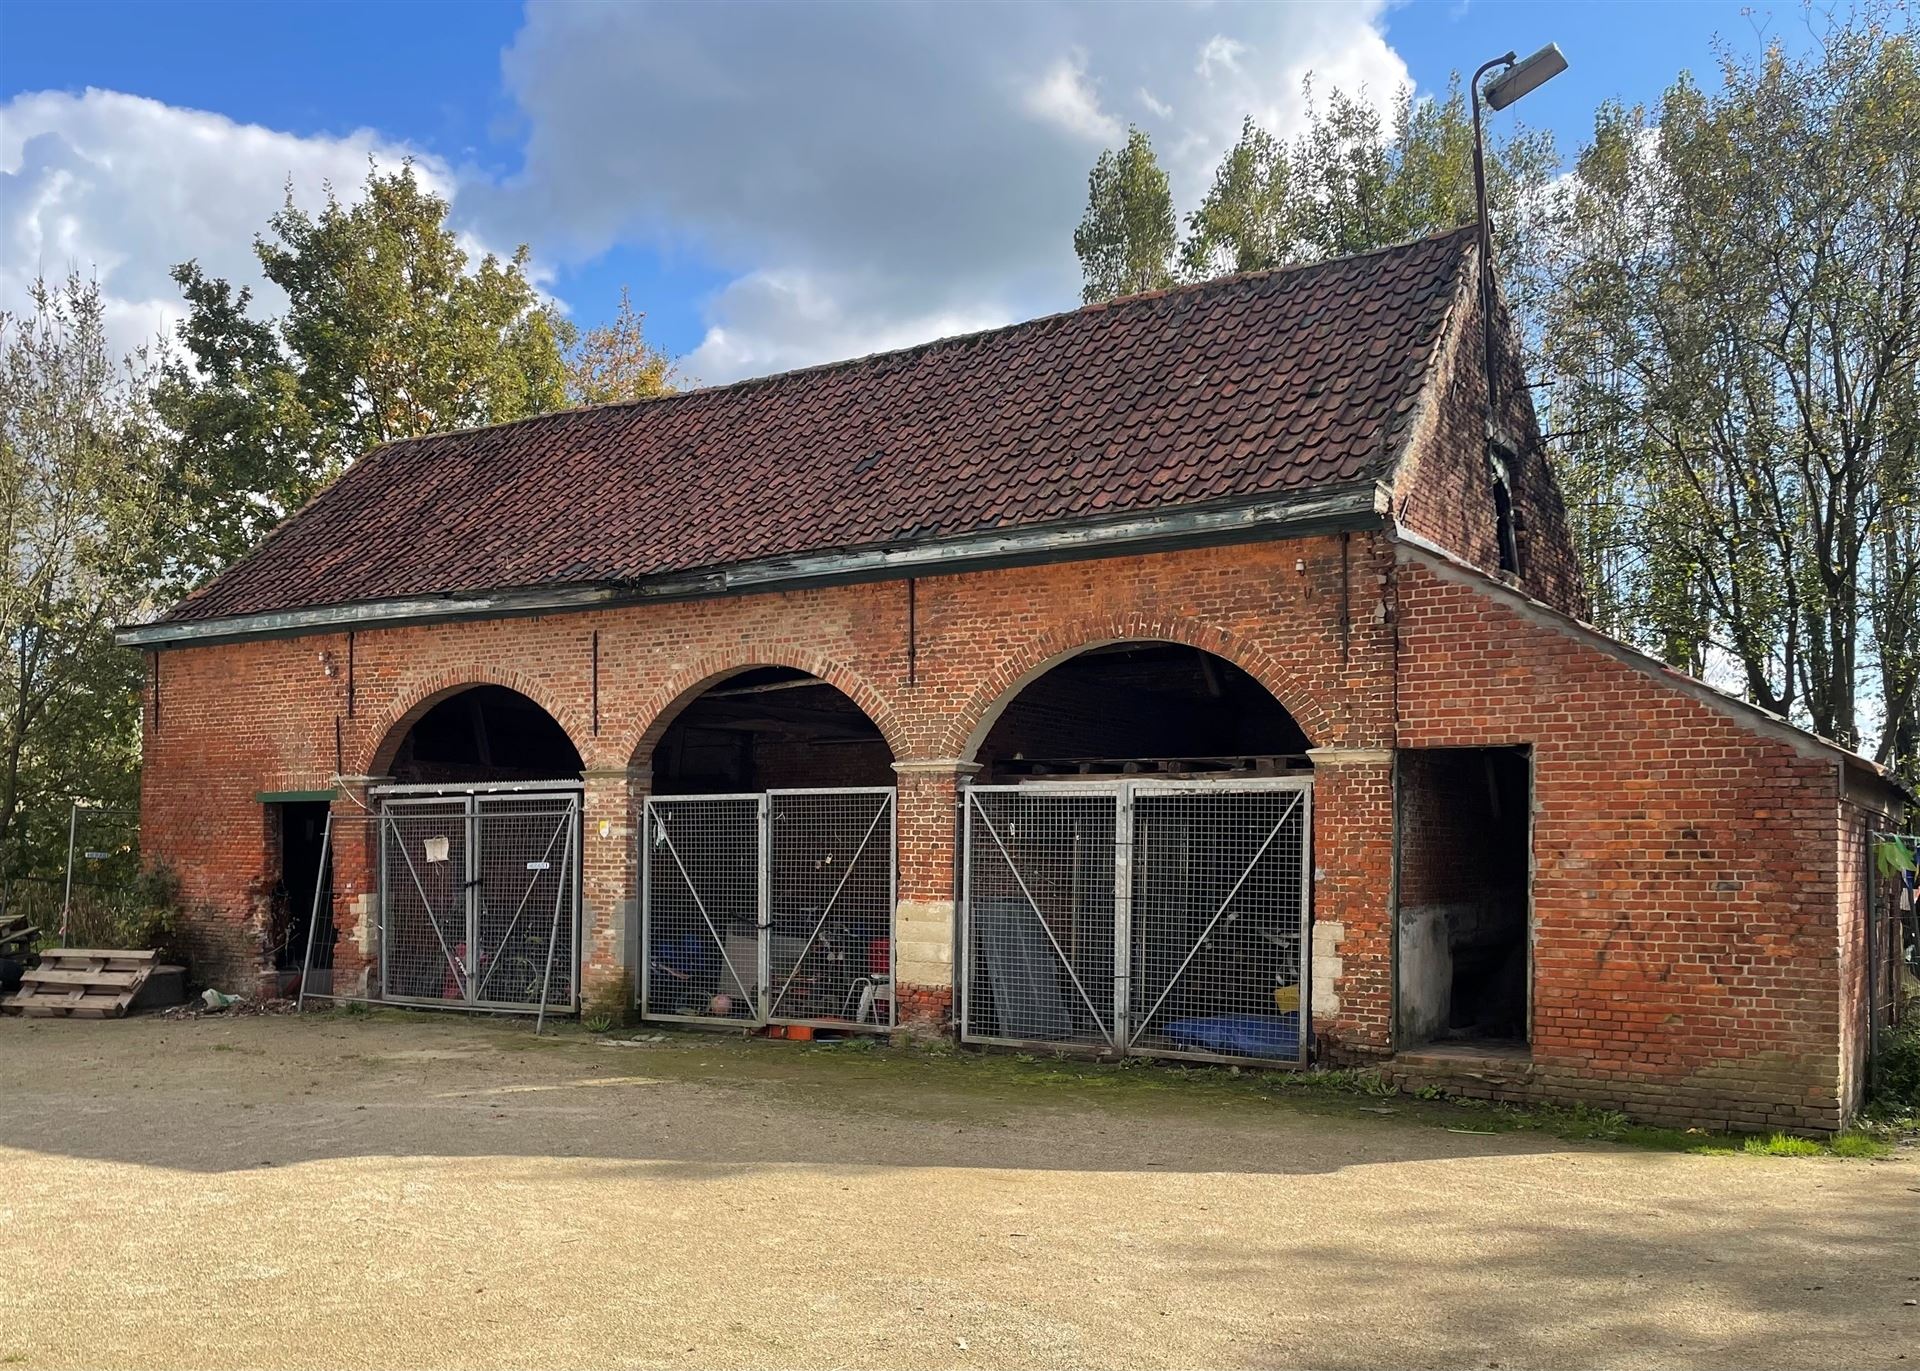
(862,1073)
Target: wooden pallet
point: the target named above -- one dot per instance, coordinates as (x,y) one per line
(16,934)
(81,983)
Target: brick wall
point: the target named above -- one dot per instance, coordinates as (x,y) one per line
(1685,936)
(230,721)
(1444,491)
(1686,939)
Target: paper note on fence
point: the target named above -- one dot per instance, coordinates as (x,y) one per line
(437,848)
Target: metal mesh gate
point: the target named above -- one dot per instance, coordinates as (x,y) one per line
(775,907)
(480,896)
(1157,918)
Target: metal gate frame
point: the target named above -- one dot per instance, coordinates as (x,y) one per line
(765,999)
(567,911)
(1123,1038)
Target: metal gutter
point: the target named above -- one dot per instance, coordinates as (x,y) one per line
(1361,505)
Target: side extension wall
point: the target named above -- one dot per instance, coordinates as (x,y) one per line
(1686,944)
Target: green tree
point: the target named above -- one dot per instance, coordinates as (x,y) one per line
(1248,219)
(81,473)
(1126,238)
(389,332)
(1357,179)
(615,362)
(1734,345)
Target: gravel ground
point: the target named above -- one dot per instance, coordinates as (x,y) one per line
(375,1192)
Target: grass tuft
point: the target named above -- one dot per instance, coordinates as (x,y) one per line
(1781,1145)
(1859,1144)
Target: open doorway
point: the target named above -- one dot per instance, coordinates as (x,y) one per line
(1464,825)
(299,829)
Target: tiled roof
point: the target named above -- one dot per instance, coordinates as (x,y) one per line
(1255,386)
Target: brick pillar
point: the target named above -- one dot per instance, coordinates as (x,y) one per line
(355,843)
(610,889)
(929,812)
(1353,900)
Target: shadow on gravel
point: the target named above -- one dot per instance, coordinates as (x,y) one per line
(213,1095)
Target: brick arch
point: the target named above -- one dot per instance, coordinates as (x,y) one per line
(421,694)
(666,704)
(969,725)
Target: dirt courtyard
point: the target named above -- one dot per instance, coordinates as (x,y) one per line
(329,1191)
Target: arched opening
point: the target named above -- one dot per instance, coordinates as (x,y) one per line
(1137,861)
(478,842)
(770,728)
(482,734)
(768,845)
(1142,708)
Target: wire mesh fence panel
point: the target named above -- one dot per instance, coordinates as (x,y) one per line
(426,867)
(1039,937)
(1217,922)
(525,899)
(830,889)
(702,908)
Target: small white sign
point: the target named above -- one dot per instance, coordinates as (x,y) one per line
(438,848)
(539,866)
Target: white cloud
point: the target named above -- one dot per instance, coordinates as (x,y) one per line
(871,176)
(1065,97)
(779,320)
(875,174)
(1219,55)
(122,188)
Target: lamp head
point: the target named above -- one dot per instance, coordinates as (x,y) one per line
(1524,77)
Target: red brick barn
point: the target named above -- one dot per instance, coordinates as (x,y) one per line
(1187,676)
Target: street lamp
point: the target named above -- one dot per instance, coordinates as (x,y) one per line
(1518,77)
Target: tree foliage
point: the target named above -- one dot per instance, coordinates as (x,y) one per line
(1354,180)
(389,332)
(1126,238)
(614,361)
(1734,346)
(1725,296)
(82,467)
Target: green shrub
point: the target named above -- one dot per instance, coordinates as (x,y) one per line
(140,913)
(1898,1091)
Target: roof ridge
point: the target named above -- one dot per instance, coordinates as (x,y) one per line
(748,383)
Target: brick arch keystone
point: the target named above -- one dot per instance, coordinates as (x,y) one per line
(666,704)
(969,725)
(420,694)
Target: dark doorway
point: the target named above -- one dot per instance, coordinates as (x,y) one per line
(772,728)
(487,733)
(1142,708)
(305,866)
(1464,824)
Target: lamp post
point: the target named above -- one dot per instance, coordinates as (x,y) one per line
(1518,77)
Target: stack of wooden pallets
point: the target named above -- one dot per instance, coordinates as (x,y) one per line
(81,983)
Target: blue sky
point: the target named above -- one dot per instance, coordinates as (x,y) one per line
(778,185)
